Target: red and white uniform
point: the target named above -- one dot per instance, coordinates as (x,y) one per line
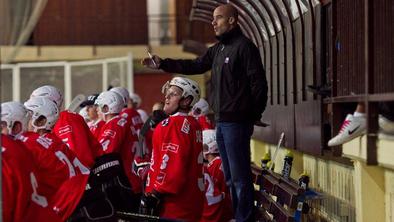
(217,204)
(205,123)
(95,127)
(72,129)
(56,163)
(177,167)
(117,137)
(21,201)
(132,117)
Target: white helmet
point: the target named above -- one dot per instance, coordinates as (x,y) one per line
(50,92)
(209,139)
(42,106)
(200,108)
(123,92)
(144,116)
(12,112)
(136,99)
(111,99)
(188,86)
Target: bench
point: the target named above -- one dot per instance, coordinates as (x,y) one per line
(277,198)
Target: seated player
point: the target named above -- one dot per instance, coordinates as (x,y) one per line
(175,187)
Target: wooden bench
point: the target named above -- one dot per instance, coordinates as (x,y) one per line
(277,198)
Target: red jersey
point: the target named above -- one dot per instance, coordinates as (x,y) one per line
(55,162)
(69,195)
(21,201)
(116,137)
(205,123)
(177,167)
(72,129)
(132,117)
(95,127)
(217,204)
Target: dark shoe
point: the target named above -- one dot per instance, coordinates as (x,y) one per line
(323,90)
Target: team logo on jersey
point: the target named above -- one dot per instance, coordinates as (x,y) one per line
(160,178)
(165,122)
(136,120)
(185,126)
(45,142)
(172,147)
(124,115)
(21,138)
(64,130)
(164,162)
(122,122)
(109,133)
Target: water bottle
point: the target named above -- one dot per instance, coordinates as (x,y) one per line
(288,162)
(265,160)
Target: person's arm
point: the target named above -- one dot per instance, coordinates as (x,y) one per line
(189,66)
(256,75)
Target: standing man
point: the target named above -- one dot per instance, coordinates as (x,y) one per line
(238,95)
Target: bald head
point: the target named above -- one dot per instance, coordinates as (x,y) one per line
(225,18)
(228,10)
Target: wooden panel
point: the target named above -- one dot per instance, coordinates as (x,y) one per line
(92,22)
(383,25)
(308,123)
(349,47)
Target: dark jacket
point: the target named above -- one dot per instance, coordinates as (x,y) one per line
(238,89)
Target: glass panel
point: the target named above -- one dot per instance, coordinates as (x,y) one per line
(117,74)
(86,79)
(6,85)
(114,74)
(315,3)
(272,10)
(269,22)
(294,9)
(32,78)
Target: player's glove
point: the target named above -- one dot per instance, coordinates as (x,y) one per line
(141,166)
(150,204)
(157,117)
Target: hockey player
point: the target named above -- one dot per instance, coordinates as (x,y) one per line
(128,112)
(19,182)
(96,123)
(71,128)
(200,111)
(118,145)
(135,103)
(217,205)
(177,151)
(21,200)
(56,162)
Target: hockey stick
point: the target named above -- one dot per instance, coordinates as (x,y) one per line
(143,217)
(282,136)
(76,102)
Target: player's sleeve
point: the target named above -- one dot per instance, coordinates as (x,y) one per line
(172,168)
